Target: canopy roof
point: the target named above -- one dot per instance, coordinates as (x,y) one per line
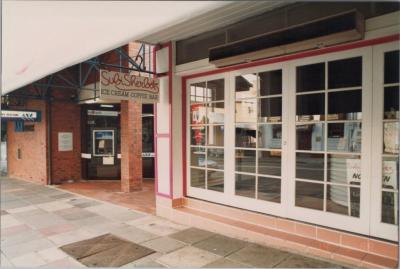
(42,37)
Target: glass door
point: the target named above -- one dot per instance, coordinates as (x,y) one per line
(330,139)
(385,165)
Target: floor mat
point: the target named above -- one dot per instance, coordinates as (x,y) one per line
(106,251)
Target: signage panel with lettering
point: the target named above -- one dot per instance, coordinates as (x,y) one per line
(125,86)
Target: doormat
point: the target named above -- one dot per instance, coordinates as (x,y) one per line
(106,251)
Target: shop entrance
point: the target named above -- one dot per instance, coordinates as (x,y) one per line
(102,144)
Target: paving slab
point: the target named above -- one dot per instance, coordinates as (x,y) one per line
(188,257)
(221,245)
(298,261)
(21,237)
(52,254)
(192,235)
(8,221)
(75,213)
(225,263)
(134,234)
(70,237)
(117,256)
(259,256)
(88,247)
(26,247)
(21,209)
(148,261)
(164,244)
(67,262)
(14,204)
(28,260)
(54,206)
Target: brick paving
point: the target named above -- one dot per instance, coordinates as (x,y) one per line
(37,220)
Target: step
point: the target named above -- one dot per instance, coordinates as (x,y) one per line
(280,233)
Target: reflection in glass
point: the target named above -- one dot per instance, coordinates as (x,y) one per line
(270,136)
(269,189)
(215,180)
(345,73)
(390,173)
(215,90)
(198,135)
(344,169)
(245,135)
(391,102)
(343,200)
(198,114)
(310,107)
(270,109)
(215,158)
(310,137)
(215,135)
(216,113)
(310,166)
(344,137)
(245,161)
(270,82)
(246,111)
(310,77)
(391,137)
(344,105)
(246,86)
(269,163)
(197,92)
(197,156)
(197,178)
(245,185)
(390,210)
(310,195)
(391,70)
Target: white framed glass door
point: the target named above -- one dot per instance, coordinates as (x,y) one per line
(385,152)
(329,141)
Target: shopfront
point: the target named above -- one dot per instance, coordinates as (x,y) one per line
(313,139)
(101,139)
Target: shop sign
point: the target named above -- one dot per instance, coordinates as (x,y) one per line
(353,170)
(125,86)
(148,154)
(20,115)
(102,113)
(390,174)
(65,141)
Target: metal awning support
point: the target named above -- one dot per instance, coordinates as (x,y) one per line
(65,80)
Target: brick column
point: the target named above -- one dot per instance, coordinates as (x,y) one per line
(131,146)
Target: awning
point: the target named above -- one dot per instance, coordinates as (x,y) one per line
(42,37)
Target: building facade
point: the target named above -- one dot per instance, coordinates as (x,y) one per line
(284,138)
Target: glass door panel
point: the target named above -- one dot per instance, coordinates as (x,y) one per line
(258,135)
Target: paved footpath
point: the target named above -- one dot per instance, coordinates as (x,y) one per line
(36,220)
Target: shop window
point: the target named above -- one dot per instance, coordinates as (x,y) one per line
(103,141)
(207,119)
(329,163)
(310,77)
(345,73)
(390,148)
(258,135)
(391,67)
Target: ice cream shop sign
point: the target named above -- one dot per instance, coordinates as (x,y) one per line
(125,86)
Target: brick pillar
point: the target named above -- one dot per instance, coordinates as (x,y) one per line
(131,146)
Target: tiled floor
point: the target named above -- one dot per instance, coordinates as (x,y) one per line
(37,220)
(110,191)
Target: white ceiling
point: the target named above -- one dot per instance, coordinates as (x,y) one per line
(42,37)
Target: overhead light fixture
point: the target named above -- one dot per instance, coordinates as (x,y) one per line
(106,105)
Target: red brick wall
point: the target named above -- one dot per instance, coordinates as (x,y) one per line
(131,146)
(66,117)
(33,163)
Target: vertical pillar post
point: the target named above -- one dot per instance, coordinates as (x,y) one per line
(131,146)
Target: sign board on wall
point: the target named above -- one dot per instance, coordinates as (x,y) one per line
(20,115)
(65,141)
(125,86)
